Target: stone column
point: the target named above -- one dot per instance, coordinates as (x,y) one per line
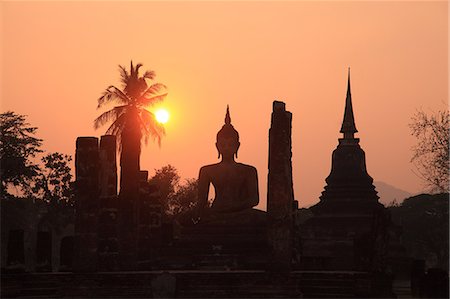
(280,194)
(108,244)
(128,198)
(86,204)
(149,219)
(143,227)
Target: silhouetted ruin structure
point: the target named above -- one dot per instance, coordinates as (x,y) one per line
(150,223)
(280,192)
(230,234)
(35,236)
(124,245)
(108,243)
(86,205)
(349,227)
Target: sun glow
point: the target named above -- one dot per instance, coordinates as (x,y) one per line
(162,116)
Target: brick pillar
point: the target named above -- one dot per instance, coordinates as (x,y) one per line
(149,219)
(280,195)
(108,245)
(143,225)
(86,204)
(128,199)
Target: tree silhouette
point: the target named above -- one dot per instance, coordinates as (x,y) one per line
(131,122)
(18,147)
(53,183)
(168,180)
(431,153)
(176,197)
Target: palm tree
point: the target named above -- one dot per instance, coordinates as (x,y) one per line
(131,122)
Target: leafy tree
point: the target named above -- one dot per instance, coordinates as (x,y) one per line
(18,146)
(53,184)
(167,179)
(131,121)
(175,197)
(185,199)
(431,153)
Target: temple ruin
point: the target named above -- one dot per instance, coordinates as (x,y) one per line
(228,249)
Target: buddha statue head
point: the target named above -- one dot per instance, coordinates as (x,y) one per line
(227,139)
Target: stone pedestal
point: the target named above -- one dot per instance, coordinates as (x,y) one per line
(280,195)
(232,241)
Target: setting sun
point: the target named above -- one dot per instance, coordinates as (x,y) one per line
(162,116)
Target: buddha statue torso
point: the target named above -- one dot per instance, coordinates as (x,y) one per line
(235,184)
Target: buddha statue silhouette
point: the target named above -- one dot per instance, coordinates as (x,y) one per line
(235,184)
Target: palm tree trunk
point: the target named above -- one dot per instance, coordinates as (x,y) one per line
(129,194)
(129,161)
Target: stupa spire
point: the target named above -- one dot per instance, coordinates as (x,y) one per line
(348,127)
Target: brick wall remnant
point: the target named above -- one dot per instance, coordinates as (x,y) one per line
(86,204)
(280,194)
(108,246)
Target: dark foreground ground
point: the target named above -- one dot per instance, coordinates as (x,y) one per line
(191,284)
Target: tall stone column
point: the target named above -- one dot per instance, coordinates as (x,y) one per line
(129,197)
(280,194)
(150,223)
(108,245)
(86,204)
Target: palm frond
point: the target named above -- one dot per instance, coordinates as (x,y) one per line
(153,100)
(154,89)
(154,94)
(112,94)
(150,127)
(131,69)
(116,129)
(107,116)
(124,75)
(149,75)
(121,95)
(105,97)
(136,69)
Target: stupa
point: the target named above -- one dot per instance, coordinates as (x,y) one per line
(347,231)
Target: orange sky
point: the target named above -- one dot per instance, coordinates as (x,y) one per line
(57,58)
